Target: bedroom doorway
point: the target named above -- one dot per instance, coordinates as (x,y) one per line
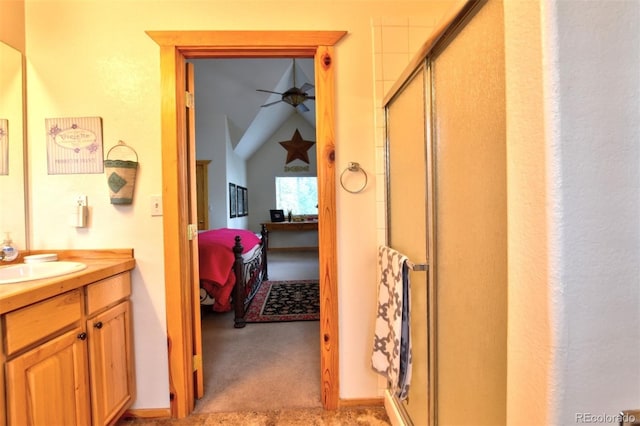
(239,138)
(175,48)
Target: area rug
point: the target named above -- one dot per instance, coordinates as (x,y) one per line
(277,301)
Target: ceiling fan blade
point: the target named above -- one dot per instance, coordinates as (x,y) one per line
(306,87)
(268,91)
(311,97)
(302,107)
(271,103)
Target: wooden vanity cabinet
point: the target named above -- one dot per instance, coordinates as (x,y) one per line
(69,359)
(110,348)
(48,385)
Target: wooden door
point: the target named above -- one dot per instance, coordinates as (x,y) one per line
(194,273)
(407,223)
(471,222)
(49,385)
(111,362)
(202,193)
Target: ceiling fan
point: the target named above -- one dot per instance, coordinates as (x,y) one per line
(295,96)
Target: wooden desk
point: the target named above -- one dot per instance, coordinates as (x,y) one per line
(291,227)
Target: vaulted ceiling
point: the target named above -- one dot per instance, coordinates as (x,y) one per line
(229,87)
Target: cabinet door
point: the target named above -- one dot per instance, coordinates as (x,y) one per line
(111,363)
(49,385)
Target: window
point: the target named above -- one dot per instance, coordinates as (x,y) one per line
(298,194)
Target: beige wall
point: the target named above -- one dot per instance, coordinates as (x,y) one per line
(96,60)
(530,323)
(12,23)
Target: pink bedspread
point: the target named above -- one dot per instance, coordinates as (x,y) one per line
(215,256)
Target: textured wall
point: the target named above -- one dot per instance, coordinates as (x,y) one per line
(572,95)
(596,153)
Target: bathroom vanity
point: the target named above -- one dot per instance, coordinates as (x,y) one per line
(66,341)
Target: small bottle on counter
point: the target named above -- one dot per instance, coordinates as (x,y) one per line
(9,252)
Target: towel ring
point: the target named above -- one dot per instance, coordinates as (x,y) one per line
(354,167)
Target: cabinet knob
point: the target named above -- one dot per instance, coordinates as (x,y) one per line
(98,325)
(82,336)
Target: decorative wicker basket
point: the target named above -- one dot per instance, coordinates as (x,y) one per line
(121,173)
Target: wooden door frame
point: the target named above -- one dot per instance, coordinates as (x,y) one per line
(175,48)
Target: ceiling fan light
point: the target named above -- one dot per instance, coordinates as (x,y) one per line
(294,99)
(295,96)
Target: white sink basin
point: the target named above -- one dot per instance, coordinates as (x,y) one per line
(36,271)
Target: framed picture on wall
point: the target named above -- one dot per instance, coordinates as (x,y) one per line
(4,146)
(245,201)
(233,200)
(240,201)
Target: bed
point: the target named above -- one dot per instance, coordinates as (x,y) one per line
(232,265)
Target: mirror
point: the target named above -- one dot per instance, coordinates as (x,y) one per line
(13,217)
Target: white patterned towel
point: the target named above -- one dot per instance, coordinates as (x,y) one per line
(392,346)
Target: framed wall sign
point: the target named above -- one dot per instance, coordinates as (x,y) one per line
(74,145)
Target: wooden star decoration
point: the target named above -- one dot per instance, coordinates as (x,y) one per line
(297,148)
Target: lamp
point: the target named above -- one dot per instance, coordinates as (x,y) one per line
(294,97)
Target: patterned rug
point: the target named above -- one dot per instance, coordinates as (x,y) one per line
(277,301)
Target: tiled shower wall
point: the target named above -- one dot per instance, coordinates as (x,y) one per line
(395,42)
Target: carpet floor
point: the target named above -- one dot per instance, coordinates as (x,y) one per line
(355,416)
(260,367)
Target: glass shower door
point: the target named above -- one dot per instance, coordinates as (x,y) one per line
(470,210)
(407,223)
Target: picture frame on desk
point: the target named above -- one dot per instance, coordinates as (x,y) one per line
(277,215)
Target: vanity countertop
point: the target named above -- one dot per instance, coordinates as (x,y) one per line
(100,264)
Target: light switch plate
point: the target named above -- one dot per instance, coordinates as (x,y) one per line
(156,205)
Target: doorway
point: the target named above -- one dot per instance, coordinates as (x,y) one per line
(175,48)
(239,136)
